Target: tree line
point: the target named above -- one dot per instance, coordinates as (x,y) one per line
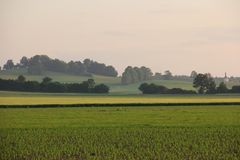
(204,83)
(136,74)
(47,85)
(139,74)
(152,88)
(40,63)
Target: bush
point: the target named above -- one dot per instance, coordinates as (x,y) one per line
(158,89)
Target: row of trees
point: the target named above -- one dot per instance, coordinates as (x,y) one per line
(205,84)
(47,85)
(136,74)
(152,88)
(40,63)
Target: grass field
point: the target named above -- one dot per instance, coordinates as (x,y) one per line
(203,132)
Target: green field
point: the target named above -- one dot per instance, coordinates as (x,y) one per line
(160,132)
(203,132)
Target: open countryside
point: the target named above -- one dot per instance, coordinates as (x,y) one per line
(120,80)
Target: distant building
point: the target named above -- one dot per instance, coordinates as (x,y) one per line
(226,79)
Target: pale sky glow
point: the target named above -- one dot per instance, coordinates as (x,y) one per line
(179,35)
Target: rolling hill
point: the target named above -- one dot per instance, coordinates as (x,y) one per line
(113,82)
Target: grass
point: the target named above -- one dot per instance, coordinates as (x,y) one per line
(203,132)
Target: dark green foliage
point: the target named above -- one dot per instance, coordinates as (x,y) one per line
(204,83)
(222,88)
(158,89)
(235,89)
(48,86)
(101,88)
(21,78)
(135,74)
(46,80)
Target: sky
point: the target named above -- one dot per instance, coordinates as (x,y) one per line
(174,35)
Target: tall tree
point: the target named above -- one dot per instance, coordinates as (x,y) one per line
(167,75)
(9,65)
(204,83)
(24,61)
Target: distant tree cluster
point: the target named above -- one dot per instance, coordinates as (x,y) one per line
(205,84)
(152,88)
(47,85)
(40,63)
(167,75)
(136,74)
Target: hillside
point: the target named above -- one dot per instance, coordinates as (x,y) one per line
(113,82)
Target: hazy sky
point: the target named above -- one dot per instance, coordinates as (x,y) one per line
(179,35)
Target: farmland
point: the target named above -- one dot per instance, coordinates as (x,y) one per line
(203,132)
(198,130)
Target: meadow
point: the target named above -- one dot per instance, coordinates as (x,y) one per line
(187,132)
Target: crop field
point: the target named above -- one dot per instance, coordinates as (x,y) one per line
(186,132)
(21,98)
(100,133)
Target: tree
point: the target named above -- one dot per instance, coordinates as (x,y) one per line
(158,76)
(101,88)
(46,80)
(222,88)
(147,73)
(135,74)
(158,89)
(126,78)
(193,74)
(91,84)
(9,65)
(21,79)
(24,61)
(204,83)
(235,89)
(167,75)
